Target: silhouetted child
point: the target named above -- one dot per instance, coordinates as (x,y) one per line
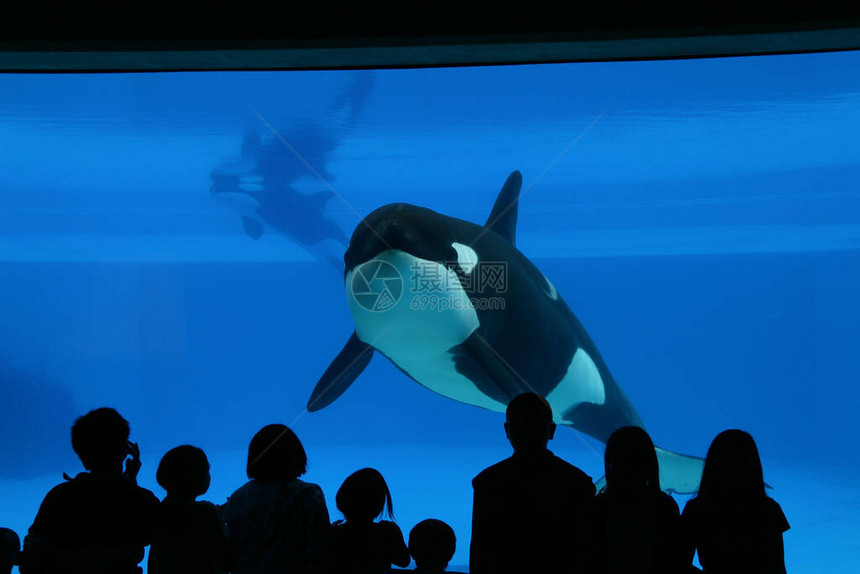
(100,521)
(10,545)
(275,521)
(432,545)
(732,523)
(359,543)
(189,536)
(632,526)
(527,508)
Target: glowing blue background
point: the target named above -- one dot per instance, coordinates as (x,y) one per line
(701,217)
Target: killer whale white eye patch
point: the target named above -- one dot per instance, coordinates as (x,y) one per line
(466,257)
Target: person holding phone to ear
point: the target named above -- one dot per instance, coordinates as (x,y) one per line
(100,520)
(132,465)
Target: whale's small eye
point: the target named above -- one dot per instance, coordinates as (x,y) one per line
(466,257)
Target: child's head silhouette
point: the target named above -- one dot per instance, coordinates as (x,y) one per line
(276,455)
(732,467)
(432,544)
(100,439)
(364,496)
(184,472)
(631,461)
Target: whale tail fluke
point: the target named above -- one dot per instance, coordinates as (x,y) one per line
(679,473)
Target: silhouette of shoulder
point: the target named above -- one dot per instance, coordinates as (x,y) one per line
(544,467)
(656,512)
(624,530)
(197,516)
(763,516)
(189,538)
(736,534)
(527,502)
(277,525)
(659,503)
(100,521)
(86,483)
(257,495)
(376,544)
(112,506)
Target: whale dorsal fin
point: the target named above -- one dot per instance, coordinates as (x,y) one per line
(503,218)
(348,364)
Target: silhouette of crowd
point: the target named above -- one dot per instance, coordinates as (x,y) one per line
(532,512)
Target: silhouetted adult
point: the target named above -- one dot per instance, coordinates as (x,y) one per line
(732,523)
(527,508)
(276,522)
(189,537)
(10,545)
(360,544)
(432,544)
(632,526)
(99,521)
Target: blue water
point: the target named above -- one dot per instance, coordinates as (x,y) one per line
(701,217)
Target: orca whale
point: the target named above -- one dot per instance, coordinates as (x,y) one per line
(459,309)
(261,184)
(300,217)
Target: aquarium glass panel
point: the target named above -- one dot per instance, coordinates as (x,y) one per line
(172,245)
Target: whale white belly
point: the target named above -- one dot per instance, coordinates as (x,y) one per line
(417,331)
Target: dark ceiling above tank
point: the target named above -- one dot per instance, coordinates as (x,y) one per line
(314,35)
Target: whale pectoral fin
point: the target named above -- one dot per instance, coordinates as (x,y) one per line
(252,227)
(342,371)
(503,218)
(475,360)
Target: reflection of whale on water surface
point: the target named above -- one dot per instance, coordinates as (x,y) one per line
(299,216)
(497,329)
(261,185)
